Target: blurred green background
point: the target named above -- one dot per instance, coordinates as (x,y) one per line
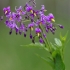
(15,57)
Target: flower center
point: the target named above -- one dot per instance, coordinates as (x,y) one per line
(10,18)
(17,16)
(20,11)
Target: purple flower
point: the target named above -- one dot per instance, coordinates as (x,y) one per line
(17,17)
(51,17)
(10,24)
(48,19)
(32,16)
(15,21)
(20,11)
(42,17)
(43,8)
(38,31)
(11,17)
(31,25)
(40,22)
(28,8)
(6,10)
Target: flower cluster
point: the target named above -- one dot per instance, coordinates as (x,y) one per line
(40,23)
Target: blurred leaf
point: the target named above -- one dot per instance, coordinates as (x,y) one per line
(68,41)
(63,38)
(54,53)
(58,63)
(36,45)
(53,47)
(58,42)
(48,60)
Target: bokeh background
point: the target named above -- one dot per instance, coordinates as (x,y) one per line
(15,57)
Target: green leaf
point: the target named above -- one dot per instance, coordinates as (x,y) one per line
(58,63)
(36,45)
(53,47)
(63,38)
(54,53)
(48,60)
(58,42)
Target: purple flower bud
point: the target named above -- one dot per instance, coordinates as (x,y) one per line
(16,30)
(53,32)
(1,18)
(24,35)
(20,32)
(41,40)
(10,32)
(47,30)
(33,41)
(48,27)
(30,36)
(60,26)
(44,35)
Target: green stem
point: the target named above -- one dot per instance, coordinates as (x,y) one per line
(25,20)
(58,63)
(45,39)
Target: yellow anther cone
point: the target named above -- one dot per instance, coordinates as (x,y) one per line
(34,14)
(45,10)
(32,28)
(38,34)
(31,11)
(6,12)
(53,20)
